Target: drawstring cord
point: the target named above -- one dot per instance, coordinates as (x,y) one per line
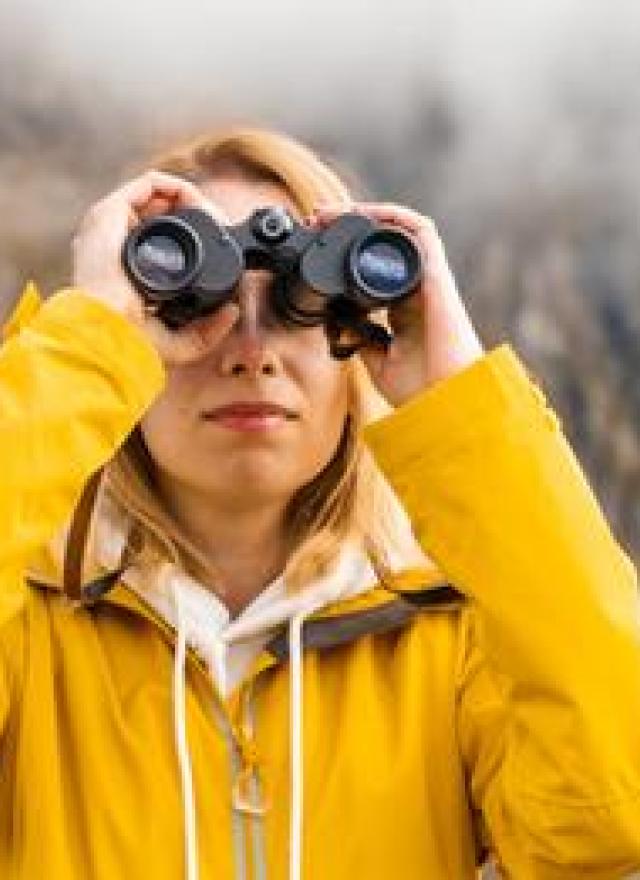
(183,750)
(250,757)
(295,671)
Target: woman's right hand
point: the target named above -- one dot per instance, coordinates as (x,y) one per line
(98,271)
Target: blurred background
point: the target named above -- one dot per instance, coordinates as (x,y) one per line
(515,126)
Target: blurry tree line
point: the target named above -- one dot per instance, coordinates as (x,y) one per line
(546,254)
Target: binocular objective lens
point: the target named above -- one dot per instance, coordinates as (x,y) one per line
(161,259)
(384,267)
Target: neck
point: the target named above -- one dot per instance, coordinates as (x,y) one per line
(240,548)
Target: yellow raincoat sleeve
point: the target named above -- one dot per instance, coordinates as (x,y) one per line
(549,674)
(75,377)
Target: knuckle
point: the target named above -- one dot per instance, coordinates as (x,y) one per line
(163,177)
(133,184)
(430,225)
(215,213)
(89,218)
(97,210)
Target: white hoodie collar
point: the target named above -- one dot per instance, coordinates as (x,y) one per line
(229,646)
(206,619)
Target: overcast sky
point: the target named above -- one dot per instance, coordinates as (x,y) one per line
(550,87)
(542,90)
(503,56)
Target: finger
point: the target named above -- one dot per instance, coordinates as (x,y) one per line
(328,212)
(409,219)
(214,327)
(156,205)
(175,190)
(381,362)
(420,227)
(141,189)
(195,339)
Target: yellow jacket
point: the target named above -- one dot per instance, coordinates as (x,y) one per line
(395,730)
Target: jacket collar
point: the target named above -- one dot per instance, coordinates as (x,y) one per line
(348,604)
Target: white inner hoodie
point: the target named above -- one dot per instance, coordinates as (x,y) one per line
(229,646)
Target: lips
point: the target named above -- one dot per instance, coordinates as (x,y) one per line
(249,409)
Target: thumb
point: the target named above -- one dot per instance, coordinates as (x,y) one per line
(195,339)
(377,361)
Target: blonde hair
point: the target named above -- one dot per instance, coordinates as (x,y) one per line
(350,497)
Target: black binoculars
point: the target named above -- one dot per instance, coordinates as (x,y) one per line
(185,265)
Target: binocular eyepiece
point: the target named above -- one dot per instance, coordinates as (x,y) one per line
(185,265)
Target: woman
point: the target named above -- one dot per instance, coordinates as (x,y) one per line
(204,526)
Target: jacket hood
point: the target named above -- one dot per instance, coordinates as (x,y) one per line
(206,617)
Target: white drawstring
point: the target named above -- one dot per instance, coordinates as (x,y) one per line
(295,671)
(296,623)
(212,636)
(219,660)
(179,718)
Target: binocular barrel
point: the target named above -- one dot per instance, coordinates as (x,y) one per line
(187,264)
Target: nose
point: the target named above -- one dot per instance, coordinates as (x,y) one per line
(248,348)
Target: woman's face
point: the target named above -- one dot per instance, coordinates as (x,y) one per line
(262,413)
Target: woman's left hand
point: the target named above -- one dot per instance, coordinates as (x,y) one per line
(433,333)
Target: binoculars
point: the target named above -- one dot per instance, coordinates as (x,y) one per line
(185,265)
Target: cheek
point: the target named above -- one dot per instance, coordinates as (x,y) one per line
(165,425)
(327,401)
(158,431)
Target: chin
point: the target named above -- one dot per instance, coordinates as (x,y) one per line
(258,472)
(251,479)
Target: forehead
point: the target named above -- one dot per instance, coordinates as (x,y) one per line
(239,196)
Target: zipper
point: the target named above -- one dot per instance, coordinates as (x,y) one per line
(257,820)
(237,820)
(249,800)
